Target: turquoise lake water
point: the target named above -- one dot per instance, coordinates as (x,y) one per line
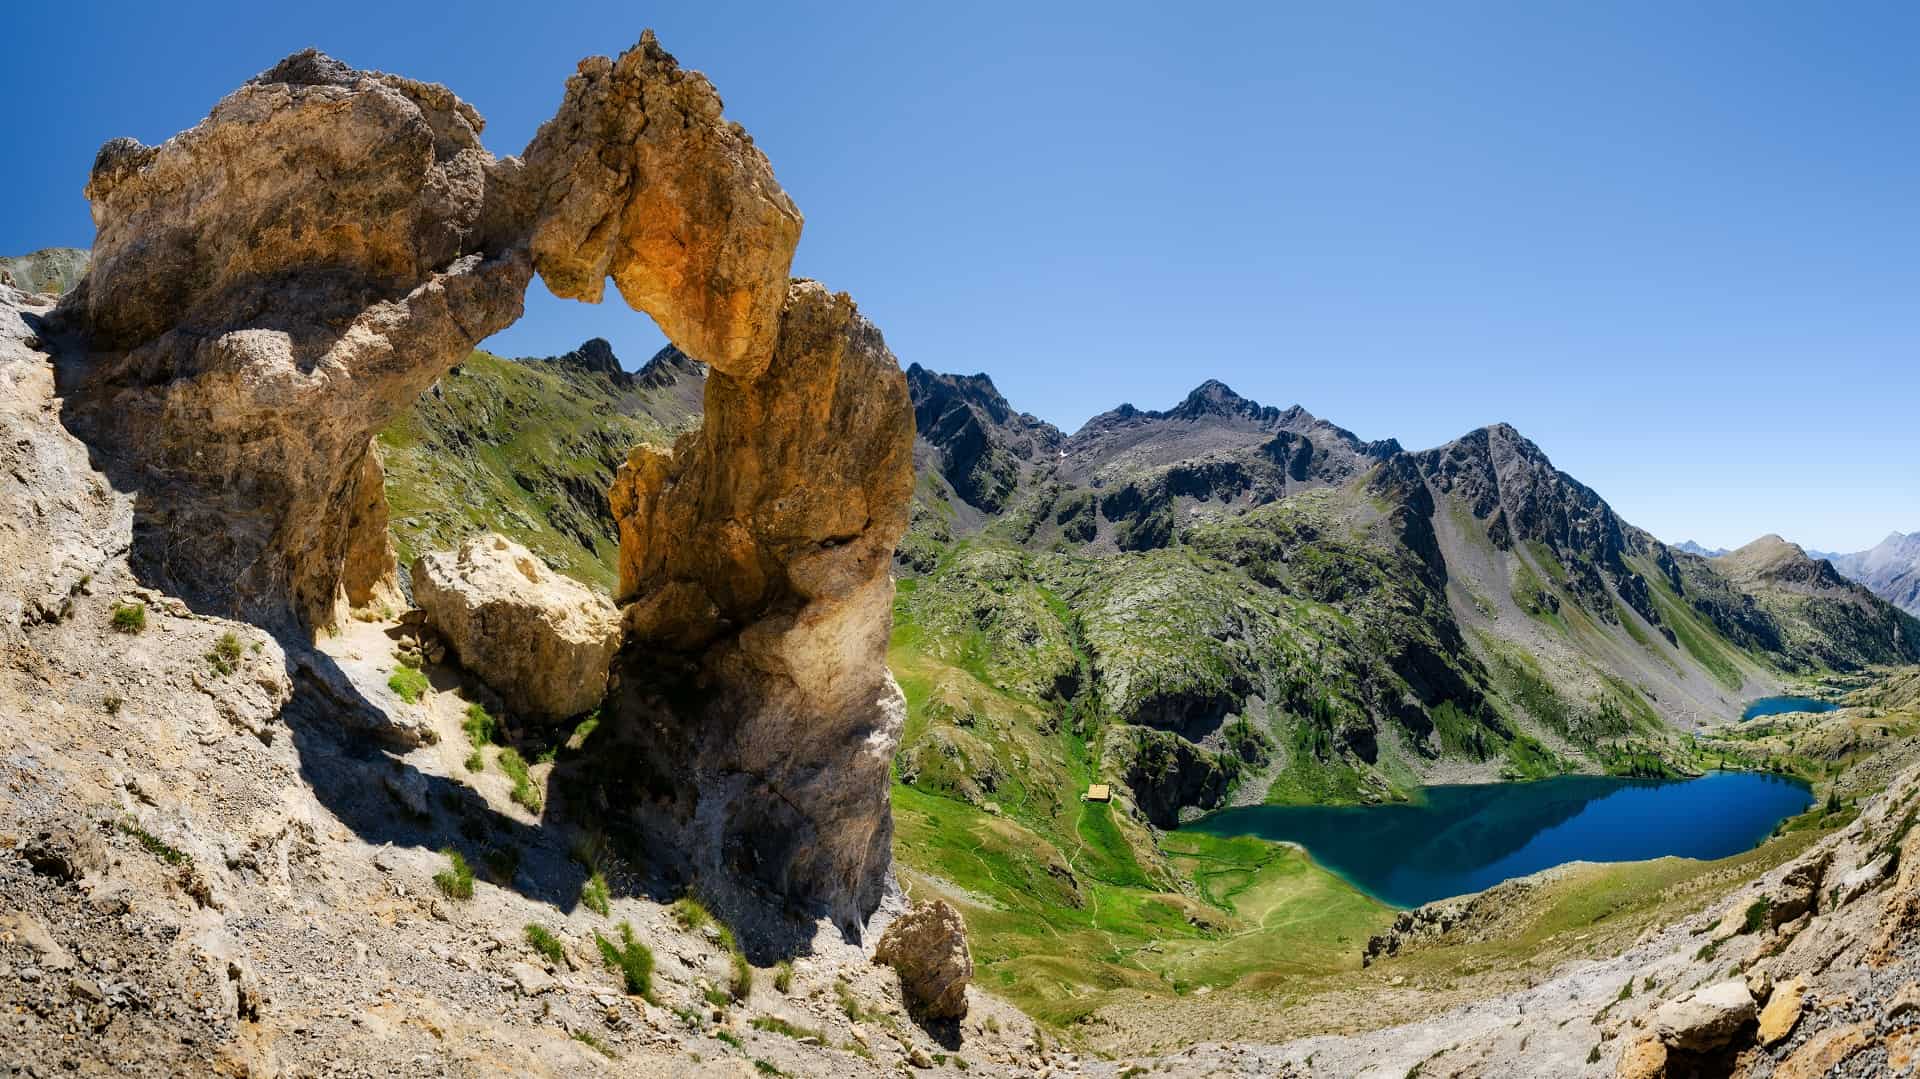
(1774,706)
(1465,838)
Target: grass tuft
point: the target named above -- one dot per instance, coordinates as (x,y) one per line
(544,942)
(690,914)
(408,683)
(225,656)
(155,846)
(587,1039)
(525,791)
(594,894)
(130,617)
(455,881)
(773,1024)
(631,958)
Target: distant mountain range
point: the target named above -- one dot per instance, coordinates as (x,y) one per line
(1252,601)
(1891,569)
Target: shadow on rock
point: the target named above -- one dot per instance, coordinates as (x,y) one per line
(362,778)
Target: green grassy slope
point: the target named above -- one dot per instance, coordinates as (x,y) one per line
(523,448)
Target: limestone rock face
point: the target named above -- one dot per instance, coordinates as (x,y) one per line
(760,546)
(1706,1019)
(927,946)
(640,178)
(1782,1011)
(270,287)
(541,640)
(267,290)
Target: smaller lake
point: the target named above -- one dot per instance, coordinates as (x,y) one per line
(1777,706)
(1469,837)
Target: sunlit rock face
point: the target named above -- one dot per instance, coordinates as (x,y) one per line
(638,177)
(267,290)
(270,287)
(761,545)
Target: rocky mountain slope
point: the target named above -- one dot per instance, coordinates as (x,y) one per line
(224,851)
(198,531)
(529,448)
(50,271)
(1225,602)
(1360,616)
(1891,569)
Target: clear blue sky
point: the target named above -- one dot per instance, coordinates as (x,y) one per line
(1677,245)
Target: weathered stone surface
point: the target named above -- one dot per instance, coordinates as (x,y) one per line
(268,288)
(1824,1051)
(1782,1010)
(370,577)
(761,547)
(640,178)
(927,947)
(1799,890)
(541,640)
(1857,881)
(1644,1058)
(1900,916)
(271,286)
(1705,1019)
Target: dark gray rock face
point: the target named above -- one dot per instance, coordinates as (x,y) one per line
(1509,483)
(983,447)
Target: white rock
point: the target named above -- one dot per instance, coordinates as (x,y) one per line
(542,641)
(1705,1019)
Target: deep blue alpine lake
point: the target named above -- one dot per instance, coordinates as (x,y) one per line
(1465,838)
(1774,706)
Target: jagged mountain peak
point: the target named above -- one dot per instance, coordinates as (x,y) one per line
(668,367)
(594,355)
(976,389)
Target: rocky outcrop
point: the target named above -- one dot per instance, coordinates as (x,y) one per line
(540,640)
(638,177)
(759,549)
(1705,1019)
(240,342)
(270,287)
(1167,773)
(927,947)
(984,447)
(245,339)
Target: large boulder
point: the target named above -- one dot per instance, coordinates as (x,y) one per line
(542,641)
(1706,1018)
(927,947)
(1799,889)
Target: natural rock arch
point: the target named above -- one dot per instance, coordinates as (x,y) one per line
(272,286)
